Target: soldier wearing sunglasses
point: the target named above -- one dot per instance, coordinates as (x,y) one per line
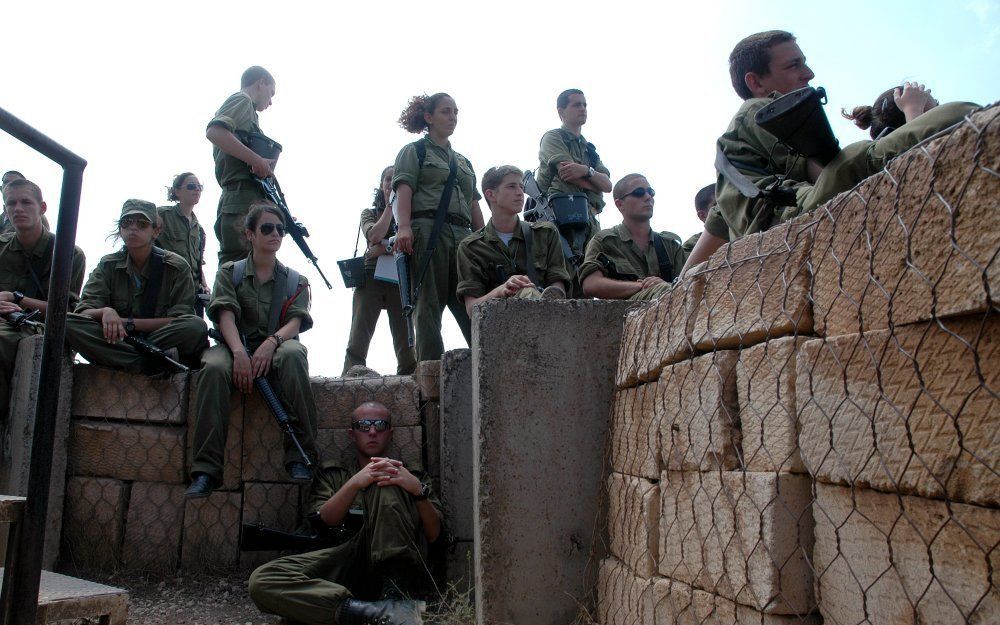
(630,261)
(181,233)
(365,578)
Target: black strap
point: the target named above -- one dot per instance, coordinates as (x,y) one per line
(442,209)
(666,267)
(34,271)
(529,259)
(154,284)
(285,287)
(591,151)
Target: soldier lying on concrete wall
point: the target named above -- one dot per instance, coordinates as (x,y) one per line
(368,577)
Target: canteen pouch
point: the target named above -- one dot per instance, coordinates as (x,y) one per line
(353,271)
(261,145)
(798,120)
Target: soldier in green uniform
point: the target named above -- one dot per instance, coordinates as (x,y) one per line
(235,163)
(703,201)
(25,264)
(260,299)
(139,290)
(181,233)
(5,224)
(422,170)
(568,163)
(763,67)
(361,580)
(375,295)
(493,262)
(630,261)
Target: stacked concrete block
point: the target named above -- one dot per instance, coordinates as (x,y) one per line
(153,527)
(142,453)
(634,519)
(94,522)
(634,446)
(336,399)
(211,532)
(271,505)
(676,603)
(456,464)
(623,598)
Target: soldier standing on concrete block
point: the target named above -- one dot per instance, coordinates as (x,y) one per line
(25,264)
(140,291)
(260,306)
(510,257)
(630,261)
(761,181)
(366,578)
(703,201)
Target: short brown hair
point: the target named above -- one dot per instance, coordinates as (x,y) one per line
(22,183)
(563,100)
(495,175)
(753,54)
(253,74)
(257,209)
(619,191)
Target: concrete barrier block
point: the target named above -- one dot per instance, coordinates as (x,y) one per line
(211,532)
(428,378)
(94,522)
(756,288)
(273,505)
(623,598)
(744,536)
(126,451)
(635,432)
(102,393)
(924,234)
(263,443)
(432,436)
(406,445)
(633,522)
(638,333)
(456,442)
(676,603)
(765,377)
(915,411)
(698,414)
(336,398)
(888,559)
(153,528)
(232,470)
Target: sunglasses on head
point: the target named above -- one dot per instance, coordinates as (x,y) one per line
(365,425)
(193,186)
(138,222)
(268,228)
(640,192)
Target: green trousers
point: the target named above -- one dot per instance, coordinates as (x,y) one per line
(230,221)
(369,302)
(437,291)
(290,379)
(310,587)
(9,339)
(187,333)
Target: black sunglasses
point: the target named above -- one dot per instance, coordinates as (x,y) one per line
(365,425)
(640,192)
(268,228)
(138,222)
(194,186)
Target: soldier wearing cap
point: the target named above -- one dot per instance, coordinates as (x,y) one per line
(139,290)
(235,163)
(630,261)
(25,264)
(364,579)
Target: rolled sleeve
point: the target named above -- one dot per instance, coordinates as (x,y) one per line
(552,150)
(590,263)
(299,308)
(368,220)
(407,168)
(224,295)
(236,113)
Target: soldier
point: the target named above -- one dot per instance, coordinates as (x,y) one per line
(138,290)
(361,580)
(25,264)
(235,163)
(181,233)
(630,261)
(422,171)
(568,163)
(5,223)
(763,67)
(703,200)
(375,295)
(267,303)
(493,262)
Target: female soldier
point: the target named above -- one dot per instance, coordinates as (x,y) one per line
(375,295)
(141,291)
(892,109)
(428,175)
(182,234)
(262,300)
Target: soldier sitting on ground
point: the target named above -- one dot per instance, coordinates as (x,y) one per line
(703,201)
(630,261)
(493,261)
(364,579)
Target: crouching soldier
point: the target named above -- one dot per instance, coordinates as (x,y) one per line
(364,579)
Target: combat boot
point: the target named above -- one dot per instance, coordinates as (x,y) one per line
(384,612)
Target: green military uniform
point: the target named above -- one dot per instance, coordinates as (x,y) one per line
(239,190)
(615,247)
(485,261)
(369,301)
(757,155)
(441,279)
(183,237)
(560,145)
(690,243)
(250,302)
(310,587)
(16,268)
(116,283)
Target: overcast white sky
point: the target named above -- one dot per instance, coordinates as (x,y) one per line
(130,86)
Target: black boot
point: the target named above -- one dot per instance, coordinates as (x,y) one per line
(386,612)
(202,485)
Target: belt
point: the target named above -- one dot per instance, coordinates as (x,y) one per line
(240,185)
(455,220)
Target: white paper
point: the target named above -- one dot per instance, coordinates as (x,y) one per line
(385,269)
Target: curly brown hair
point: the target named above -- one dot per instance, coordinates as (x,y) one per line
(412,117)
(881,115)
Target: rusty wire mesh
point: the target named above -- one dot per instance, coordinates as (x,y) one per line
(806,429)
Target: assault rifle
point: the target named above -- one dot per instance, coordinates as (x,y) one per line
(405,291)
(295,228)
(271,399)
(21,319)
(258,537)
(148,348)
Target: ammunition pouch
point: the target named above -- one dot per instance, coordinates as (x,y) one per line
(798,121)
(261,144)
(572,217)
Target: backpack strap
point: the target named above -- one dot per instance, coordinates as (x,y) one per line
(35,269)
(528,256)
(285,289)
(239,270)
(662,258)
(154,284)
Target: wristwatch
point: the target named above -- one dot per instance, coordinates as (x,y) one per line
(425,491)
(590,172)
(130,325)
(18,296)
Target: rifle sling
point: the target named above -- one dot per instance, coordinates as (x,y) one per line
(529,259)
(666,267)
(442,210)
(154,284)
(34,272)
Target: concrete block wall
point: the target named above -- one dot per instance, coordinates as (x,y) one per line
(817,409)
